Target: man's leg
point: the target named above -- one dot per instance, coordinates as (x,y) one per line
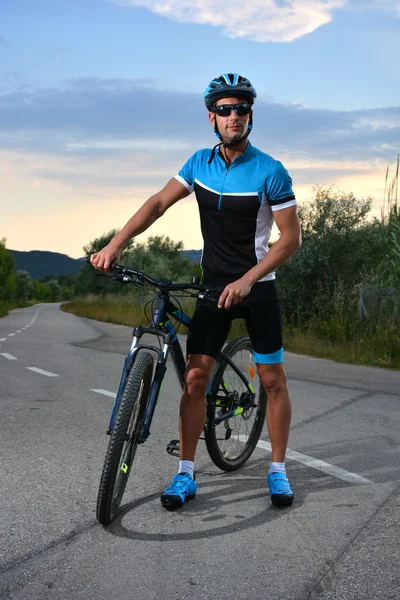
(191,423)
(279,414)
(192,415)
(279,408)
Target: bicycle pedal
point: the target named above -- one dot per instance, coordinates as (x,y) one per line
(173,448)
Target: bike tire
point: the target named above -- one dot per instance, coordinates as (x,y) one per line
(226,388)
(124,438)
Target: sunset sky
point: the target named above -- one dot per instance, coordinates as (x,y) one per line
(101,102)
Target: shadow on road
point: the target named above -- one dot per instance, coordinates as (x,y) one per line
(230,503)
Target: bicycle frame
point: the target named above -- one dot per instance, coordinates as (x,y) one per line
(162,327)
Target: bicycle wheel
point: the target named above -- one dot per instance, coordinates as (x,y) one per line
(230,442)
(124,438)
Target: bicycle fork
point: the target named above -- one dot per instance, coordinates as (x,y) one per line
(154,393)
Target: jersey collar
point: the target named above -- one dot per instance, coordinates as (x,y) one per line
(246,155)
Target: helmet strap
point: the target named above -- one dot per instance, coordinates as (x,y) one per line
(229,144)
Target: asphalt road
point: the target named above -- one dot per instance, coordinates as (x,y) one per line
(340,539)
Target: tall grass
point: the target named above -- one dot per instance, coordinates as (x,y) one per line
(110,308)
(121,310)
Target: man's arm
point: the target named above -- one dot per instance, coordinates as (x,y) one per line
(151,210)
(287,221)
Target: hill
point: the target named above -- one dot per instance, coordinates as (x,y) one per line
(41,263)
(194,255)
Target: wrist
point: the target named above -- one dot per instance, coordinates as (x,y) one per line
(249,281)
(117,245)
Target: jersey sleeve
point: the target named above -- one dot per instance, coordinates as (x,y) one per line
(186,175)
(278,188)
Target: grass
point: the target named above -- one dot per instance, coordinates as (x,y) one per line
(379,348)
(111,309)
(5,307)
(369,350)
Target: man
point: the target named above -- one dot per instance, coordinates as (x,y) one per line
(240,192)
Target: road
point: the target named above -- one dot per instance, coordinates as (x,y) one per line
(338,540)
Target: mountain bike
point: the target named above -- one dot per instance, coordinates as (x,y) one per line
(236,399)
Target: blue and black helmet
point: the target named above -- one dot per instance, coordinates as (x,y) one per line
(229,85)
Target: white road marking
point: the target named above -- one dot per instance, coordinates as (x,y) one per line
(9,356)
(11,334)
(3,339)
(32,320)
(18,331)
(47,373)
(315,463)
(105,393)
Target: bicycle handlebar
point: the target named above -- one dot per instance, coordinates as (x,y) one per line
(129,275)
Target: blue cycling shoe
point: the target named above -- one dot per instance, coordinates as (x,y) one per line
(182,488)
(279,486)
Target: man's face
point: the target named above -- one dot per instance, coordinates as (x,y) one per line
(233,126)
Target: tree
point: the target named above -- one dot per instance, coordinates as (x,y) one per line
(341,249)
(7,263)
(24,286)
(41,291)
(160,257)
(55,291)
(89,280)
(332,212)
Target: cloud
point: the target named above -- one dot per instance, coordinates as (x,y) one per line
(258,20)
(93,117)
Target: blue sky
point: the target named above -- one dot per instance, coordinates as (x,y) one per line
(101,102)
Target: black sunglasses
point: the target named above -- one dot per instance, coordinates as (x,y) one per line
(224,110)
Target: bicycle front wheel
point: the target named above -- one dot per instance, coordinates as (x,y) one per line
(124,438)
(235,409)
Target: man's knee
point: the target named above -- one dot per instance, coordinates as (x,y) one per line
(197,375)
(273,378)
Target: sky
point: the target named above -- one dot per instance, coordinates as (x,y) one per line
(101,103)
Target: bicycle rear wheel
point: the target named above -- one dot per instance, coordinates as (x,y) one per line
(230,442)
(124,438)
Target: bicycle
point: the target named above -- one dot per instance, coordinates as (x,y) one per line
(235,410)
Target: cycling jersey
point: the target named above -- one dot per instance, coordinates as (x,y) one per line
(236,205)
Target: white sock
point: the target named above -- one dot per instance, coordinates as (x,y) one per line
(186,466)
(277,467)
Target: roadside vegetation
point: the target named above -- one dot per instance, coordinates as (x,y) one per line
(19,289)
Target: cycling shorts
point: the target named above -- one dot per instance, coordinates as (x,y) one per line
(262,312)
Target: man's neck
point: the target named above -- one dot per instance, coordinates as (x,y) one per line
(230,154)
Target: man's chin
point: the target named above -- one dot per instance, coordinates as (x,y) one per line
(235,138)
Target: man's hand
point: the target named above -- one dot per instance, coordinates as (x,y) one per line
(234,293)
(104,259)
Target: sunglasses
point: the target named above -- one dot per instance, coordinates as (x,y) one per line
(224,110)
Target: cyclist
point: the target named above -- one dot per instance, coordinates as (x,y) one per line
(240,192)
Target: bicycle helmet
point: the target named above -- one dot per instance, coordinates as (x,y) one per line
(227,86)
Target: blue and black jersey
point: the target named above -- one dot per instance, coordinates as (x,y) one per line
(236,207)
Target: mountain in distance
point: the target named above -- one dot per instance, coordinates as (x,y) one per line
(194,255)
(41,263)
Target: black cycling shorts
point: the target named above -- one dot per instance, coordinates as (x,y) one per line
(262,312)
